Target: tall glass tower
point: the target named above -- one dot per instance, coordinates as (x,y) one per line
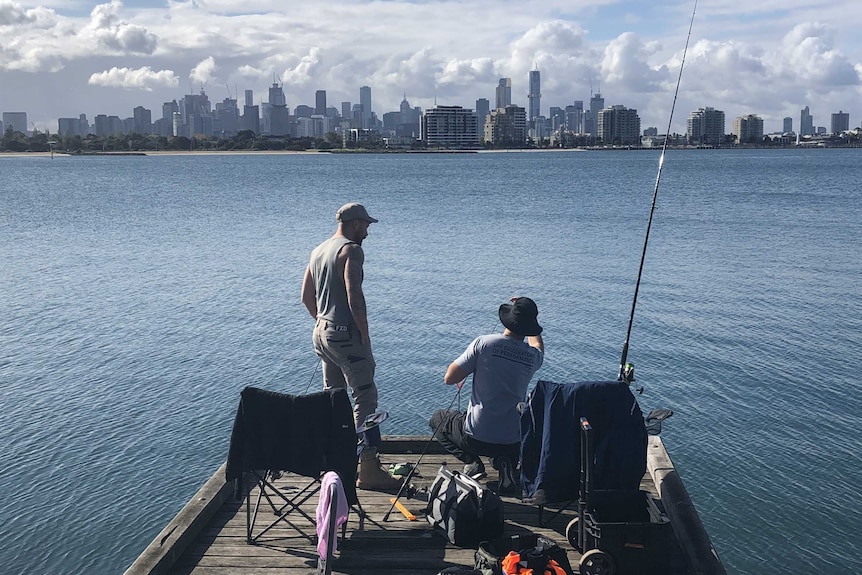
(535,95)
(504,93)
(365,102)
(320,102)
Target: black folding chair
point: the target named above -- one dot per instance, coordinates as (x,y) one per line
(306,435)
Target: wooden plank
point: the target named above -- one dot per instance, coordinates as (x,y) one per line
(687,526)
(169,545)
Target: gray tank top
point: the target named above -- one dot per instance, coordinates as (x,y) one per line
(331,291)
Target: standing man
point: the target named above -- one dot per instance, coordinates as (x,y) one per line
(332,293)
(502,366)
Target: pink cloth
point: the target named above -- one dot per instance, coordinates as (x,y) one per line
(341,511)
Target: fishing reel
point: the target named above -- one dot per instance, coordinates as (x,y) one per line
(627,375)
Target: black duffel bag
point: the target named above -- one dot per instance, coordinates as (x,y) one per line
(466,511)
(536,552)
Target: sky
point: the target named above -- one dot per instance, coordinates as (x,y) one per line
(62,58)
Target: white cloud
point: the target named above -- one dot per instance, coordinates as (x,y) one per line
(140,79)
(625,65)
(106,28)
(304,70)
(203,72)
(808,52)
(12,14)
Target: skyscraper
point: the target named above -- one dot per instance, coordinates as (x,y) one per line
(706,127)
(346,111)
(249,97)
(591,121)
(450,127)
(365,102)
(278,115)
(143,120)
(504,93)
(320,102)
(840,122)
(15,120)
(619,125)
(276,95)
(806,122)
(483,107)
(535,95)
(748,129)
(575,117)
(788,125)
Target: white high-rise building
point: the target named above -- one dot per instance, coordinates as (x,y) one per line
(450,127)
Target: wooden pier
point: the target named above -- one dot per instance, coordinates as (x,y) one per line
(208,537)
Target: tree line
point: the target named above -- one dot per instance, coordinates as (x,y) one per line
(14,141)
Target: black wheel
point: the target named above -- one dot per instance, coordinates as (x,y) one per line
(572,534)
(596,562)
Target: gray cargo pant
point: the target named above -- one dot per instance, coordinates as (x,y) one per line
(348,362)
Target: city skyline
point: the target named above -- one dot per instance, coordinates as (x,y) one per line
(62,58)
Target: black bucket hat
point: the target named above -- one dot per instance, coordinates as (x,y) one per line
(520,316)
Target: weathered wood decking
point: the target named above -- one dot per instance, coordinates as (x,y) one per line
(208,537)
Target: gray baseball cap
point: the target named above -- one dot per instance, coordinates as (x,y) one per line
(353,211)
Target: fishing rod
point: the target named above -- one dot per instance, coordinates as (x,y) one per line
(406,482)
(626,373)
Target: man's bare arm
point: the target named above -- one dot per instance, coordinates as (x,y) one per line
(309,294)
(354,258)
(537,342)
(455,374)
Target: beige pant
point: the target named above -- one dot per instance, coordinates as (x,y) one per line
(347,362)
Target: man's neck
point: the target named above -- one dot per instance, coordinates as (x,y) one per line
(340,233)
(509,333)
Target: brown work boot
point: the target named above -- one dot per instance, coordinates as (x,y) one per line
(372,476)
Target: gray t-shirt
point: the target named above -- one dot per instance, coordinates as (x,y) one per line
(502,368)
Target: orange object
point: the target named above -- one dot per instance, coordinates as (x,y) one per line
(404,511)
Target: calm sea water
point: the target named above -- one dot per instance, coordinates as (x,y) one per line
(141,294)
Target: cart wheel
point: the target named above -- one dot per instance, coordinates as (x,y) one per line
(597,562)
(572,534)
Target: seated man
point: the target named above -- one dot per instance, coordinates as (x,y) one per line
(502,366)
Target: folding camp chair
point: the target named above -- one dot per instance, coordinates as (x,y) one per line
(550,441)
(306,435)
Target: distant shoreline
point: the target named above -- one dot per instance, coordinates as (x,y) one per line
(359,152)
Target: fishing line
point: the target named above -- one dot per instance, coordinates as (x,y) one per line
(410,473)
(626,373)
(415,466)
(313,373)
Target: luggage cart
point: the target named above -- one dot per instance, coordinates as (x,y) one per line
(618,532)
